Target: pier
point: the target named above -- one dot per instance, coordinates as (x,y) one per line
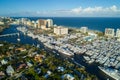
(9,34)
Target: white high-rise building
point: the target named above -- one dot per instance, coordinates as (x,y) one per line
(1,23)
(50,22)
(24,21)
(60,30)
(109,32)
(84,29)
(35,24)
(118,33)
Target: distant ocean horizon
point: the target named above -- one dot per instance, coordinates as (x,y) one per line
(93,23)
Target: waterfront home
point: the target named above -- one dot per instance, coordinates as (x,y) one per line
(9,70)
(21,49)
(1,45)
(11,47)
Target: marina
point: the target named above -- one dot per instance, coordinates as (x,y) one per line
(100,51)
(93,53)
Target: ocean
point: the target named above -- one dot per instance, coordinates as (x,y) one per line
(93,23)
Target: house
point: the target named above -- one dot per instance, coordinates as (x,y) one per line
(9,70)
(1,55)
(21,65)
(11,47)
(39,58)
(4,61)
(23,77)
(48,73)
(1,44)
(68,77)
(29,64)
(2,74)
(33,54)
(60,69)
(38,70)
(21,49)
(8,53)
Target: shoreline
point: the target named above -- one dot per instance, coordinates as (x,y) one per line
(95,24)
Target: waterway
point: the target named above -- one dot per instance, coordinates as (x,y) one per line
(24,39)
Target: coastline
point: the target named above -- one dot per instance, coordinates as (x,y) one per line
(92,23)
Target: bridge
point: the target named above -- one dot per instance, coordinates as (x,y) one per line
(9,34)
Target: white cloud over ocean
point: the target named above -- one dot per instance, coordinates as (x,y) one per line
(111,11)
(96,9)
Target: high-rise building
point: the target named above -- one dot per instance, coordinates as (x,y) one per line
(1,23)
(24,21)
(60,30)
(118,33)
(109,32)
(42,23)
(84,29)
(29,23)
(35,25)
(49,22)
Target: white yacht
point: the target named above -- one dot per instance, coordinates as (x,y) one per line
(111,72)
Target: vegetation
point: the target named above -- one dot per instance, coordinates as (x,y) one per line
(100,34)
(6,22)
(38,71)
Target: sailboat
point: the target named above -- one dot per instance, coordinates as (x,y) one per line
(18,39)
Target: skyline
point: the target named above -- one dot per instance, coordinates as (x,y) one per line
(59,8)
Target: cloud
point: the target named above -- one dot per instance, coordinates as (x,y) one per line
(114,8)
(91,11)
(111,11)
(97,9)
(77,10)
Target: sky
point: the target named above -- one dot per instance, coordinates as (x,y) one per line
(60,8)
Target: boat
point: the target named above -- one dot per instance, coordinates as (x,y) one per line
(91,61)
(68,53)
(38,45)
(86,58)
(113,73)
(18,39)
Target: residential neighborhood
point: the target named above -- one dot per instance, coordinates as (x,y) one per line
(26,62)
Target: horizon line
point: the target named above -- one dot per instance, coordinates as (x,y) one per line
(68,16)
